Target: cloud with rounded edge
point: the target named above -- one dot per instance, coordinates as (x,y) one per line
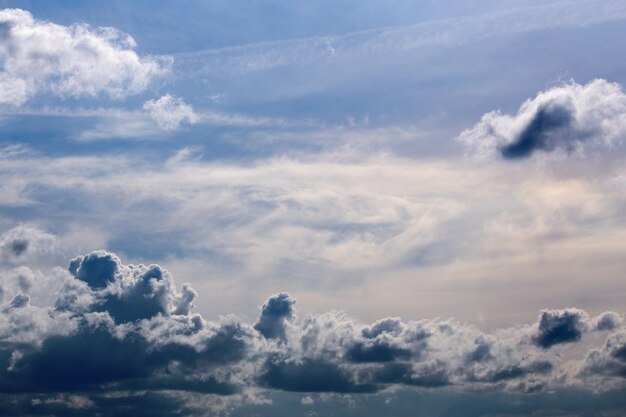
(69,61)
(567,118)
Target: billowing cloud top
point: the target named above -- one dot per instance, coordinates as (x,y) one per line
(119,328)
(566,118)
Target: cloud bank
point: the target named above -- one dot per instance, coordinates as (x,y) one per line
(567,118)
(119,330)
(69,61)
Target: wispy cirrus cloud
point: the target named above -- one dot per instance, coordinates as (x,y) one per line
(445,32)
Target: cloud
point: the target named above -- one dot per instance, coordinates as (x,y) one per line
(124,329)
(69,61)
(134,331)
(567,118)
(607,366)
(340,221)
(129,292)
(24,242)
(262,56)
(560,326)
(608,321)
(274,313)
(310,375)
(168,112)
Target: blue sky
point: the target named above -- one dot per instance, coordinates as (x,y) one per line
(447,169)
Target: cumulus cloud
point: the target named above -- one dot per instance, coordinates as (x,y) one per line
(68,61)
(127,330)
(566,118)
(128,292)
(607,366)
(274,313)
(560,326)
(168,112)
(133,329)
(608,321)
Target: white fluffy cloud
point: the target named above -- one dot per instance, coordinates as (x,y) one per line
(168,112)
(566,118)
(69,61)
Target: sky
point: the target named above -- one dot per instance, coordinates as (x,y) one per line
(347,208)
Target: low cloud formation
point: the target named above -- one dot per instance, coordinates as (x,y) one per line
(123,331)
(68,61)
(168,112)
(566,118)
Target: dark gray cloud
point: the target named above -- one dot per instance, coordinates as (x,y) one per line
(376,352)
(560,326)
(128,332)
(20,301)
(97,268)
(568,117)
(310,375)
(429,375)
(130,292)
(550,127)
(18,246)
(276,310)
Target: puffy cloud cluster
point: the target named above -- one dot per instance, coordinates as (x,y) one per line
(124,326)
(120,329)
(126,292)
(608,361)
(68,61)
(168,112)
(565,118)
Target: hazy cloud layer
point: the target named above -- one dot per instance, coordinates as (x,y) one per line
(68,61)
(121,329)
(331,225)
(566,118)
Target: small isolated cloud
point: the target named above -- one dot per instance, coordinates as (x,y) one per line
(307,400)
(69,61)
(24,242)
(168,112)
(566,118)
